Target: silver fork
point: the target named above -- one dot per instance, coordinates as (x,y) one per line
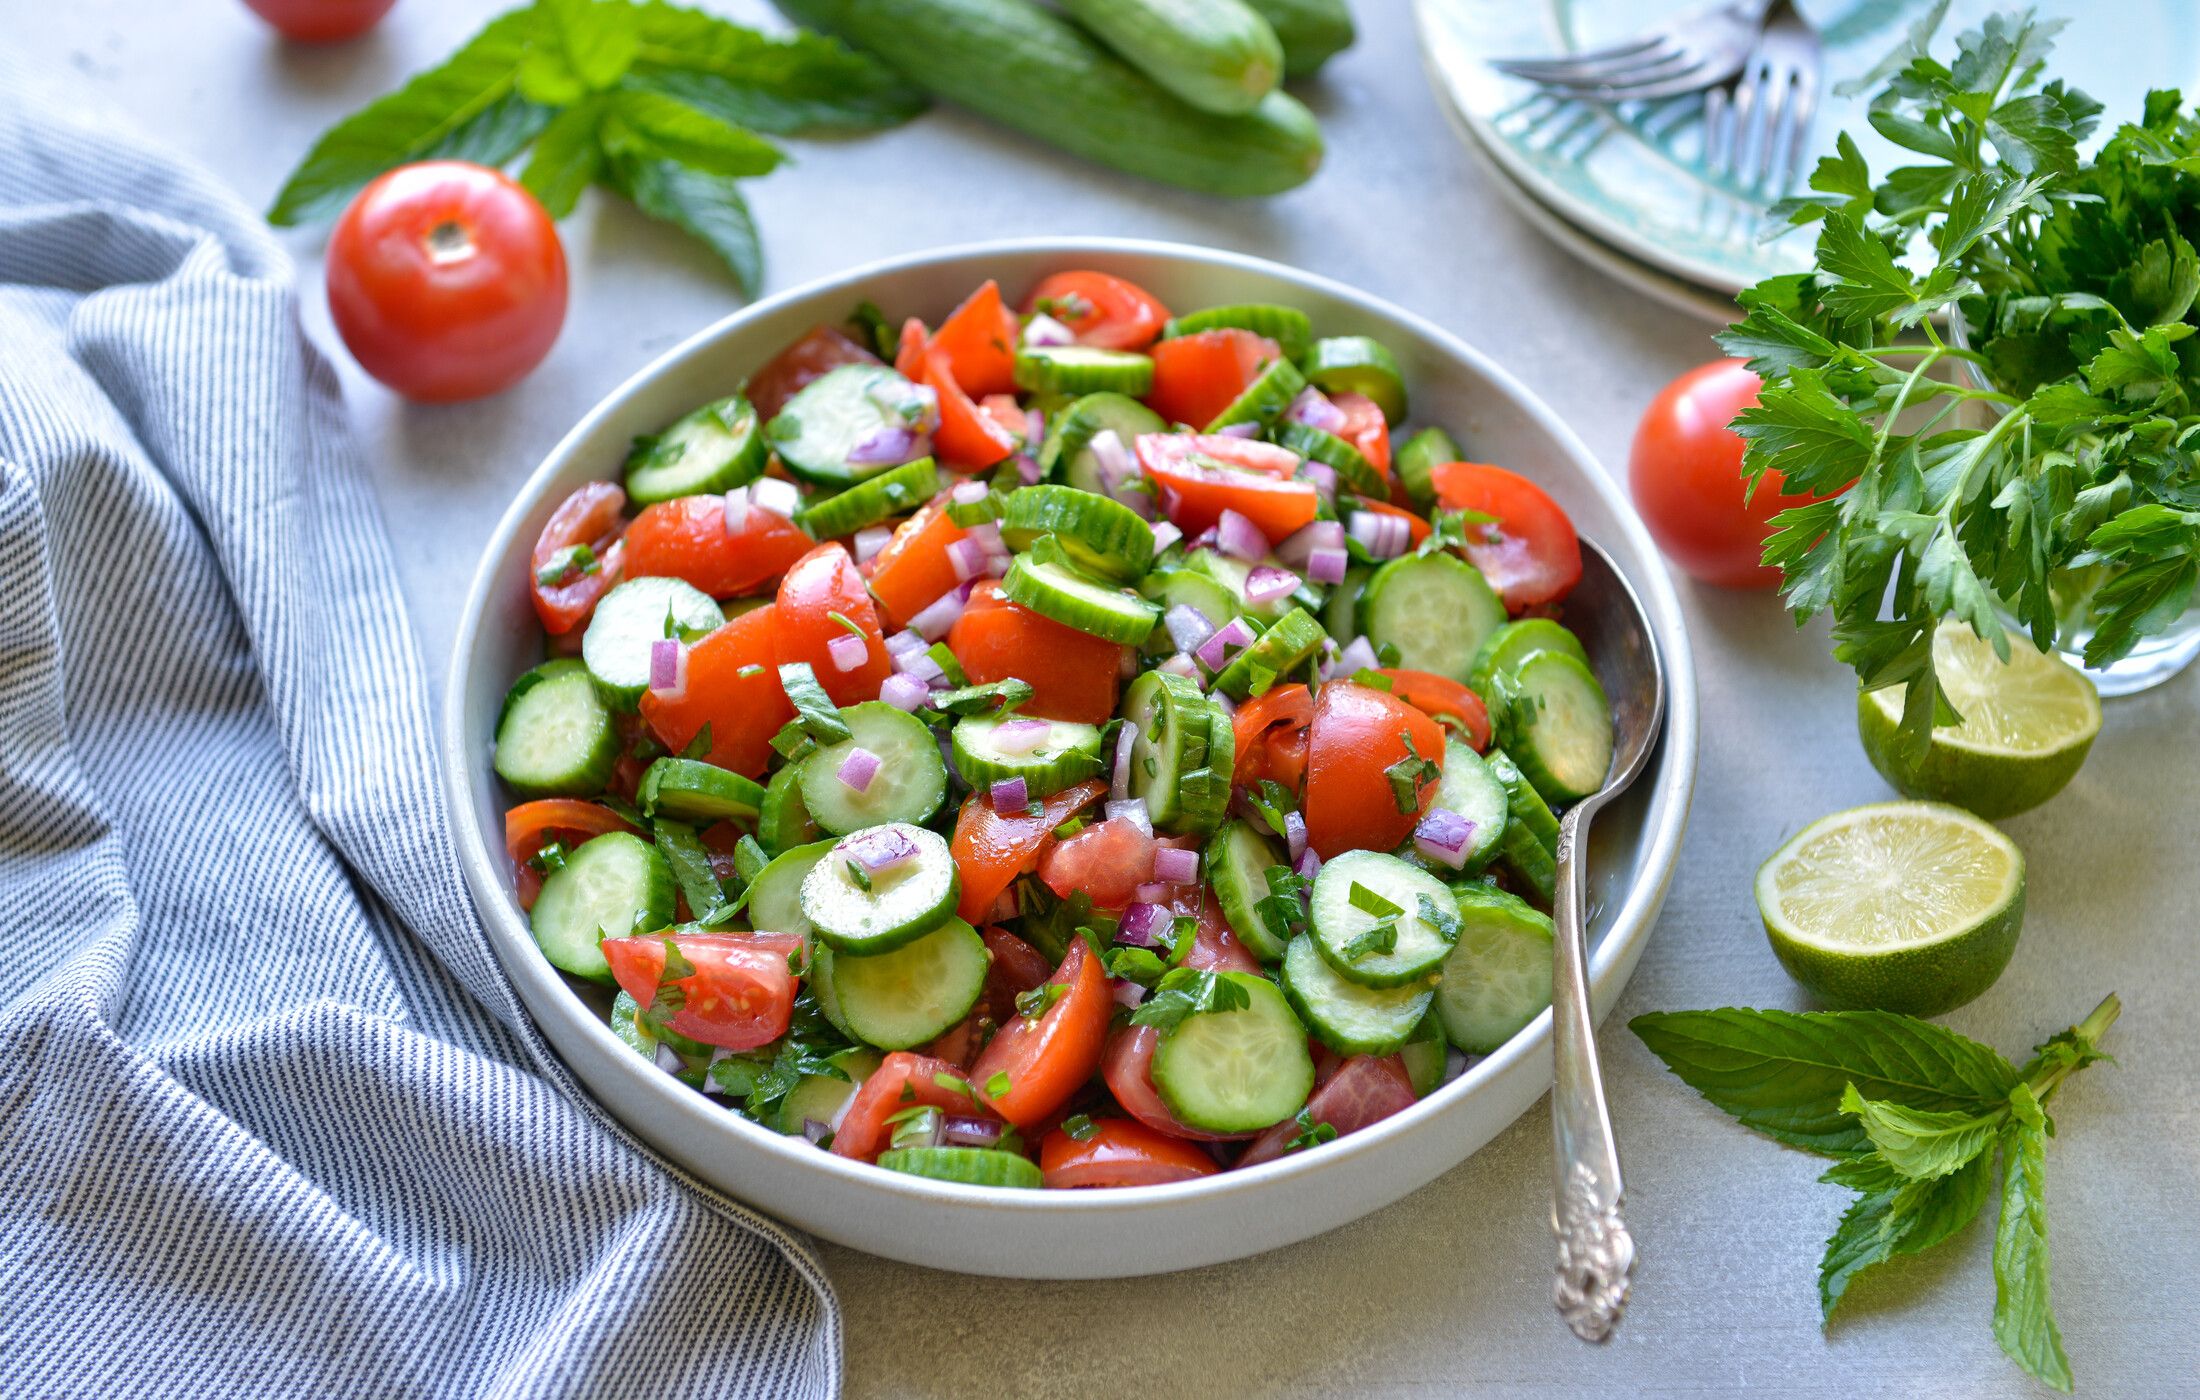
(1754,130)
(1689,53)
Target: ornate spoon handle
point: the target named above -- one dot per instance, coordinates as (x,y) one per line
(1595,1252)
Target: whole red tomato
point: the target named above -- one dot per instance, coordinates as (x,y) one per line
(321,21)
(446,280)
(1686,472)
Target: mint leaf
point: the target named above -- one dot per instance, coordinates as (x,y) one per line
(1188,992)
(784,84)
(566,159)
(1783,1073)
(707,206)
(2024,1317)
(1922,1143)
(581,46)
(466,108)
(651,126)
(1894,1215)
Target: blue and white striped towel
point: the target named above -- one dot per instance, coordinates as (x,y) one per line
(271,1123)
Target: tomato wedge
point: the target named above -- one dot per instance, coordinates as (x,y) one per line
(1198,482)
(590,516)
(1215,946)
(1100,310)
(1120,1152)
(1197,376)
(902,1080)
(1357,734)
(1365,428)
(1531,555)
(740,994)
(822,349)
(1439,697)
(914,569)
(1127,1065)
(533,825)
(991,850)
(1073,675)
(979,340)
(1017,967)
(686,539)
(1048,1059)
(909,353)
(1286,707)
(1363,1091)
(966,437)
(1247,454)
(1108,861)
(820,595)
(733,687)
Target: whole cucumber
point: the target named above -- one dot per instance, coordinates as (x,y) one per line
(1312,31)
(1026,68)
(1218,55)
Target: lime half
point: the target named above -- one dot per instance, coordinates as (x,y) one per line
(1901,906)
(2027,726)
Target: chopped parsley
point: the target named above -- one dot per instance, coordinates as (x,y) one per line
(575,561)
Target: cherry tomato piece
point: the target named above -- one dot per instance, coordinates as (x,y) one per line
(1073,675)
(740,994)
(821,594)
(1120,1152)
(992,849)
(1531,555)
(1198,482)
(1127,1065)
(686,539)
(1365,428)
(1100,310)
(967,436)
(733,687)
(1197,376)
(1363,1091)
(590,516)
(914,569)
(1357,734)
(321,21)
(1108,861)
(902,1080)
(821,350)
(1048,1058)
(1441,696)
(979,340)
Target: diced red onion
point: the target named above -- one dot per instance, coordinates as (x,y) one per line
(920,664)
(1187,625)
(1205,539)
(1301,544)
(888,445)
(988,535)
(1127,993)
(932,622)
(1134,809)
(1266,583)
(1119,785)
(1035,428)
(1142,925)
(1011,795)
(971,1132)
(1240,538)
(877,849)
(904,642)
(1043,329)
(1294,833)
(968,493)
(1308,865)
(1326,565)
(848,652)
(1223,703)
(737,512)
(869,542)
(1020,736)
(1324,477)
(1028,470)
(1112,457)
(1238,430)
(1455,1061)
(1385,536)
(781,498)
(917,405)
(668,1061)
(1165,534)
(815,1131)
(1313,408)
(1178,664)
(969,559)
(904,692)
(1442,836)
(858,769)
(668,670)
(1138,503)
(1150,894)
(1126,664)
(1214,653)
(1175,867)
(1358,655)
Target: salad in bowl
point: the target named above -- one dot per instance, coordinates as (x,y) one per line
(1079,744)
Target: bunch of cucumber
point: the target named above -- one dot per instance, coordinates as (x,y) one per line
(1181,91)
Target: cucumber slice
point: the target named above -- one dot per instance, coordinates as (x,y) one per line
(968,1166)
(894,492)
(1065,453)
(775,895)
(1417,457)
(1082,369)
(1498,977)
(1349,1018)
(1558,726)
(631,619)
(1353,468)
(1175,770)
(1200,592)
(627,1024)
(910,783)
(712,450)
(1074,599)
(1236,1071)
(1357,364)
(1347,933)
(1069,754)
(694,791)
(1289,327)
(1290,642)
(1237,864)
(1232,574)
(782,822)
(1265,399)
(818,1098)
(1424,1055)
(1100,535)
(1469,788)
(1508,649)
(555,737)
(1341,617)
(832,415)
(903,997)
(901,905)
(608,888)
(1434,608)
(1530,845)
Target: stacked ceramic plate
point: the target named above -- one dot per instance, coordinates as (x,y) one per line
(1625,188)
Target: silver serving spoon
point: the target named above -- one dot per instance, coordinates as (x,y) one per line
(1595,1252)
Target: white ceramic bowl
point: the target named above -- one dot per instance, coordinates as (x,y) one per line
(1062,1234)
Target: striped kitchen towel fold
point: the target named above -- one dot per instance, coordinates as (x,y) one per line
(271,1122)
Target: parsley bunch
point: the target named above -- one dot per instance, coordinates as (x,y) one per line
(2075,506)
(664,105)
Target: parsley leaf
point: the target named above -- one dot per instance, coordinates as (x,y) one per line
(1187,992)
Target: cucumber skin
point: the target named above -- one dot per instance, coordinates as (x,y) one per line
(1311,31)
(1218,55)
(1017,64)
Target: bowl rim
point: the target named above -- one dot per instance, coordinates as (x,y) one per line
(1631,925)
